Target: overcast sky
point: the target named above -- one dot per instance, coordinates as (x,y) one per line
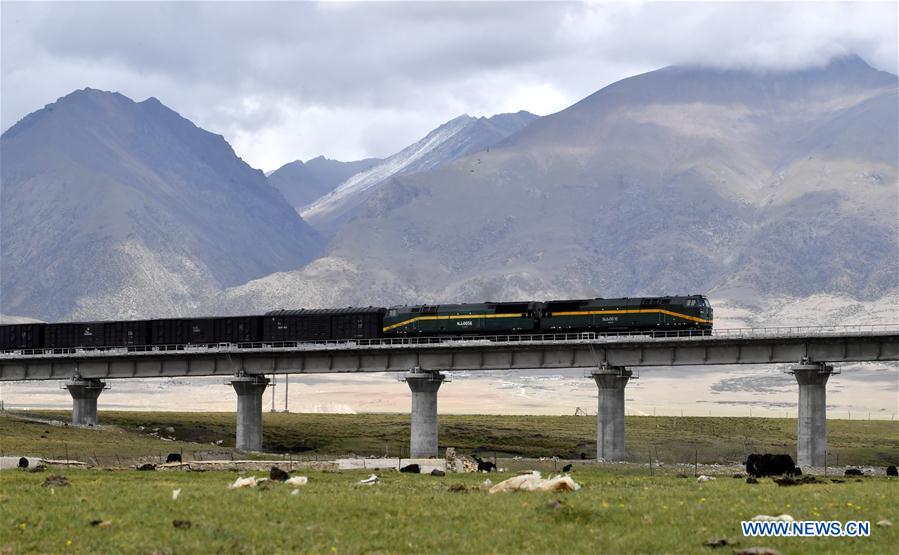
(286,81)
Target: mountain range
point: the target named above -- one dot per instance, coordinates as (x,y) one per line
(745,185)
(754,187)
(112,208)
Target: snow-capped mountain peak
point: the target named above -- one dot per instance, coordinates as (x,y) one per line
(454,139)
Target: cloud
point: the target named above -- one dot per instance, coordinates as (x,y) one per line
(284,81)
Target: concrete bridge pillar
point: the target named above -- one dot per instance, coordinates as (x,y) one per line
(610,413)
(84,394)
(424,386)
(812,433)
(249,411)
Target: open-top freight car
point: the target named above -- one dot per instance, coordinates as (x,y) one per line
(68,335)
(128,333)
(15,337)
(322,324)
(205,331)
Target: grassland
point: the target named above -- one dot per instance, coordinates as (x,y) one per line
(620,509)
(612,513)
(663,438)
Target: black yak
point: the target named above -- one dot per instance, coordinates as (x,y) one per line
(23,462)
(566,468)
(769,465)
(411,469)
(484,466)
(277,475)
(853,472)
(891,471)
(173,458)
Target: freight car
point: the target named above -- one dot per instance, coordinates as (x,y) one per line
(310,325)
(15,337)
(641,314)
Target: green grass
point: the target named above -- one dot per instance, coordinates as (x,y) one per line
(665,438)
(621,509)
(612,513)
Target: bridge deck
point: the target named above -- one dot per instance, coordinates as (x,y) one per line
(583,350)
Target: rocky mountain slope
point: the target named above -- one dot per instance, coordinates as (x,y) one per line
(115,208)
(746,185)
(304,182)
(454,139)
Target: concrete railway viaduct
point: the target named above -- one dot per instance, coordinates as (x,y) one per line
(810,352)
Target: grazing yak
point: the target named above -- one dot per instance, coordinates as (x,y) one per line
(853,472)
(23,462)
(173,458)
(566,468)
(891,471)
(484,466)
(277,475)
(770,465)
(411,469)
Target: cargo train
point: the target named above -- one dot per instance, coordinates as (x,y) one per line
(640,314)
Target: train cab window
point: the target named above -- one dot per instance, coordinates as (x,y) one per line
(391,312)
(691,302)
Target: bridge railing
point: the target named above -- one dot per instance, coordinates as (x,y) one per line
(807,331)
(459,341)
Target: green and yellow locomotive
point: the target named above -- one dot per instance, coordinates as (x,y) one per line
(652,314)
(628,314)
(463,319)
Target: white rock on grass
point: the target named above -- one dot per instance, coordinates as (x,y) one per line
(250,482)
(780,517)
(533,482)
